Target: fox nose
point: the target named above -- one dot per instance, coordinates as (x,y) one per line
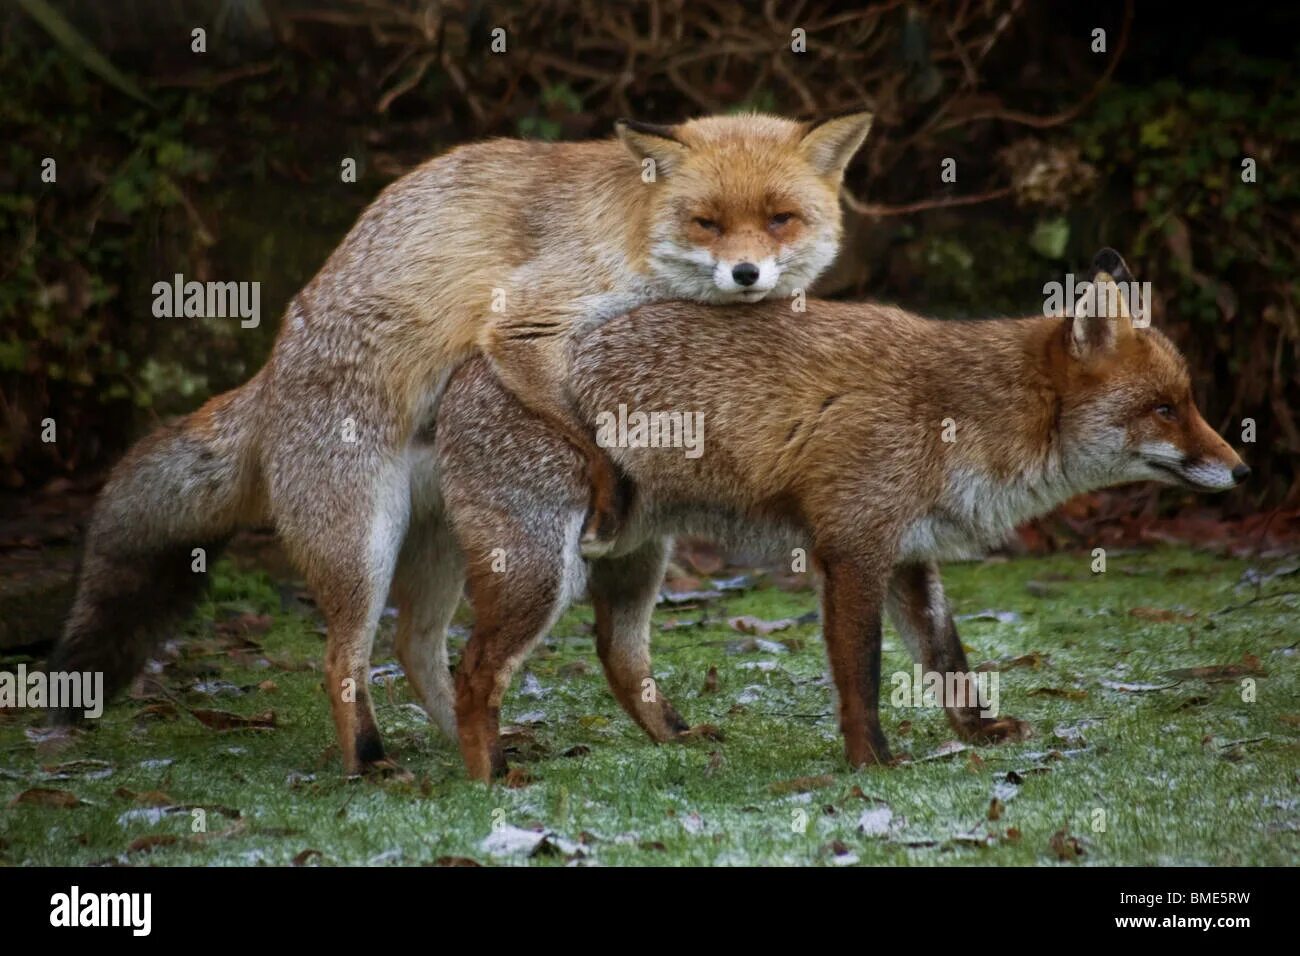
(746,273)
(1240,473)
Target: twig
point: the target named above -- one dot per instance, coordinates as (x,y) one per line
(875,209)
(1256,599)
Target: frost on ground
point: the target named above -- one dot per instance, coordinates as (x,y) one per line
(1160,693)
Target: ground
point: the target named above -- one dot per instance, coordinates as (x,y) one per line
(1164,694)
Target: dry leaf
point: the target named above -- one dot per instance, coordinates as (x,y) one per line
(223,720)
(802,784)
(45,797)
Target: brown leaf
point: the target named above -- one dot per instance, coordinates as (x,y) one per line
(223,720)
(1065,846)
(710,681)
(996,807)
(302,858)
(1249,667)
(162,710)
(747,624)
(151,842)
(1033,659)
(702,732)
(148,798)
(802,784)
(1162,615)
(456,861)
(45,797)
(1066,693)
(244,625)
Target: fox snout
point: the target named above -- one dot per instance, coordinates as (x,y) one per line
(1197,457)
(746,279)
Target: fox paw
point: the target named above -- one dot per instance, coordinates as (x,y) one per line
(701,732)
(1003,730)
(387,769)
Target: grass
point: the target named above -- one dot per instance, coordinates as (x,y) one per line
(1190,773)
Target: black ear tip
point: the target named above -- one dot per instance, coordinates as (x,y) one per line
(1108,260)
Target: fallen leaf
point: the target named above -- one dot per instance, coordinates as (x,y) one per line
(244,625)
(1162,615)
(748,624)
(1065,846)
(996,807)
(151,842)
(45,797)
(1033,659)
(1131,688)
(223,720)
(702,732)
(456,861)
(302,858)
(1065,693)
(710,681)
(802,784)
(1249,667)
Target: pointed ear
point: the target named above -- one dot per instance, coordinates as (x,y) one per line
(652,141)
(1112,263)
(1101,316)
(829,144)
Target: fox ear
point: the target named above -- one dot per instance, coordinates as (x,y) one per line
(652,141)
(1101,316)
(829,144)
(1112,263)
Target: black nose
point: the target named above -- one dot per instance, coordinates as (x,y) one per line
(1240,473)
(745,274)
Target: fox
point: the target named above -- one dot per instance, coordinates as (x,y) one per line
(880,441)
(503,248)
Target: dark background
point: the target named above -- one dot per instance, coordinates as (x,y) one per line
(226,165)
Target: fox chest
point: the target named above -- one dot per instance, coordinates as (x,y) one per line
(973,515)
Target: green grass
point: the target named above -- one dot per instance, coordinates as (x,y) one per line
(1190,774)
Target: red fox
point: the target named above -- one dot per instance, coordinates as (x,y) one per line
(505,247)
(827,433)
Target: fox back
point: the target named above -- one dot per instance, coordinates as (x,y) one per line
(868,426)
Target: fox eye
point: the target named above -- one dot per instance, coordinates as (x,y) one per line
(708,224)
(781,218)
(1166,412)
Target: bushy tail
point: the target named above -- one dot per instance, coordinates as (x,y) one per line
(190,484)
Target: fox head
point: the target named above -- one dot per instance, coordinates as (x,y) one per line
(745,206)
(1128,402)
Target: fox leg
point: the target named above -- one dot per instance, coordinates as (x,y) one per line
(851,606)
(532,360)
(919,610)
(515,604)
(341,506)
(428,584)
(623,594)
